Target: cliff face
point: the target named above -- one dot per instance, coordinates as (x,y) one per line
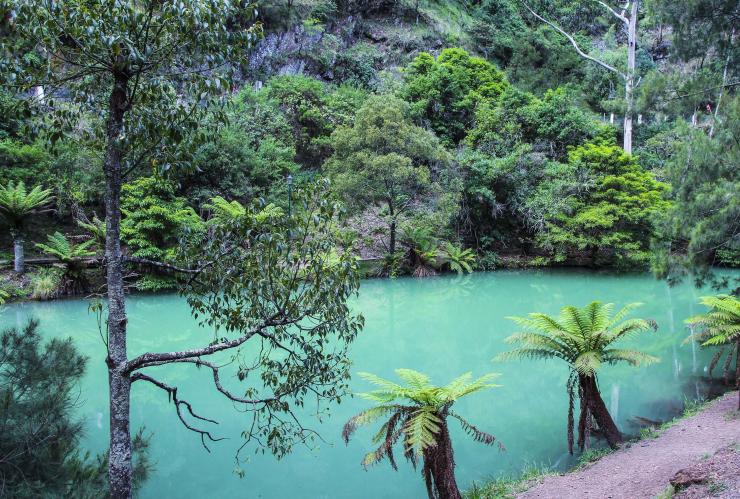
(356,46)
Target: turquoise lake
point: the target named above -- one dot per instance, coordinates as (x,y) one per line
(443,326)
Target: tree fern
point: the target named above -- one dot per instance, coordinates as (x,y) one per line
(17,202)
(719,327)
(415,413)
(582,337)
(59,246)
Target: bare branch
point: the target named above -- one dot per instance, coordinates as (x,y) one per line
(616,14)
(575,44)
(216,380)
(172,392)
(161,265)
(164,357)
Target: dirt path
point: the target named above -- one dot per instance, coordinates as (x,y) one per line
(645,468)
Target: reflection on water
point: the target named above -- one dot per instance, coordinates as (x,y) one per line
(443,326)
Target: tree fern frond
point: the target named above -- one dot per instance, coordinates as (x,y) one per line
(623,312)
(587,363)
(414,378)
(477,434)
(421,430)
(366,417)
(526,353)
(633,357)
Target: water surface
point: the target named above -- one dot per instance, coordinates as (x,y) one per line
(442,326)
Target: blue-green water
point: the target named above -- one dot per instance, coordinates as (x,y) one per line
(443,326)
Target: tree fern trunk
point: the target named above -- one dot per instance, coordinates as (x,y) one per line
(737,370)
(439,462)
(598,410)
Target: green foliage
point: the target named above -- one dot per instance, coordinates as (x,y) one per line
(423,250)
(22,162)
(459,260)
(444,92)
(719,326)
(95,228)
(234,164)
(17,203)
(269,272)
(415,413)
(59,246)
(385,160)
(45,283)
(581,337)
(155,220)
(700,229)
(40,437)
(613,206)
(311,114)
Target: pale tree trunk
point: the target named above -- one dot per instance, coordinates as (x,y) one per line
(629,85)
(119,463)
(630,21)
(721,90)
(19,260)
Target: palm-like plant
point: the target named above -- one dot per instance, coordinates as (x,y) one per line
(96,228)
(720,327)
(460,260)
(584,338)
(70,254)
(417,415)
(17,204)
(423,251)
(225,211)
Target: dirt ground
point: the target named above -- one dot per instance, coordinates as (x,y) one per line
(704,448)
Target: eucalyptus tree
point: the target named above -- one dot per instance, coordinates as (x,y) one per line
(417,415)
(17,204)
(627,16)
(149,70)
(584,338)
(720,327)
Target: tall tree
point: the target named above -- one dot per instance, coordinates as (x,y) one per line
(702,229)
(417,414)
(627,16)
(150,69)
(385,159)
(584,338)
(40,437)
(17,204)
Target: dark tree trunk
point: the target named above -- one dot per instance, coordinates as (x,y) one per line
(597,409)
(439,467)
(19,260)
(392,213)
(737,370)
(119,463)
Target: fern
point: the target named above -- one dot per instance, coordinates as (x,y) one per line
(416,413)
(17,203)
(59,246)
(582,337)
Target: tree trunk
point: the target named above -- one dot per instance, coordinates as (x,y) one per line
(119,462)
(630,80)
(19,262)
(439,467)
(598,410)
(392,213)
(737,371)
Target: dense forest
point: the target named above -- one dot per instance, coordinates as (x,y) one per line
(492,126)
(262,158)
